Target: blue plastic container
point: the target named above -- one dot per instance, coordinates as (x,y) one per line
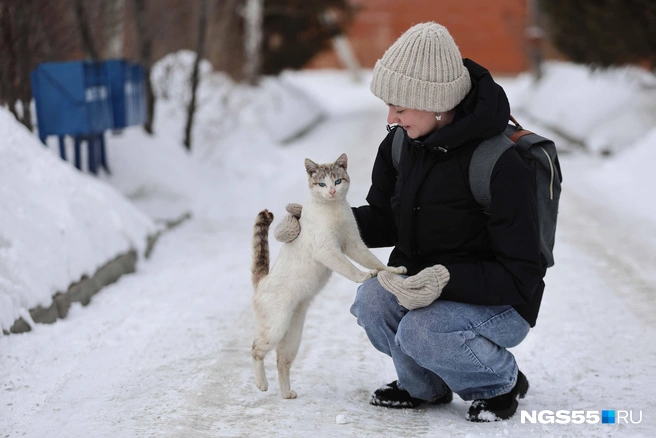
(83,99)
(126,81)
(72,98)
(136,90)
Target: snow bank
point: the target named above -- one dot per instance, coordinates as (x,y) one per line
(156,173)
(56,223)
(281,108)
(608,110)
(287,111)
(218,99)
(628,181)
(336,91)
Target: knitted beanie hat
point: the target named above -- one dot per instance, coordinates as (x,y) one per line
(422,70)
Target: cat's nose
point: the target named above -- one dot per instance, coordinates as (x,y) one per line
(332,191)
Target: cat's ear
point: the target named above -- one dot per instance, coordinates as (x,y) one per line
(342,161)
(310,166)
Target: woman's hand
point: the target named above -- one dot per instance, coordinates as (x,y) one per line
(289,228)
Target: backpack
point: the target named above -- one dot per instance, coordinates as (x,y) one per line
(544,161)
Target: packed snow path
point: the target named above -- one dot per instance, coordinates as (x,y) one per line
(166,351)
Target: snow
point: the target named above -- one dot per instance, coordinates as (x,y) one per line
(56,225)
(625,173)
(488,416)
(166,351)
(289,111)
(608,110)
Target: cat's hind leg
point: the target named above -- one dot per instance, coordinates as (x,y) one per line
(269,333)
(258,363)
(288,348)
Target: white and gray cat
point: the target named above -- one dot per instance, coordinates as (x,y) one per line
(283,294)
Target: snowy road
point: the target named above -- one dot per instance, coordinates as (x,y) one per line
(166,351)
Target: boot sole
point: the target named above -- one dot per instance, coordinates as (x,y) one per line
(394,404)
(407,404)
(390,396)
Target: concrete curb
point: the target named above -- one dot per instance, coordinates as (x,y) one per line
(152,239)
(83,290)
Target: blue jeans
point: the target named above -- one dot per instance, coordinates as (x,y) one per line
(445,345)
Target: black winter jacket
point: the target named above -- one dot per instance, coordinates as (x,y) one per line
(428,213)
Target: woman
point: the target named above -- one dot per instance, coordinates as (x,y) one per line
(474,281)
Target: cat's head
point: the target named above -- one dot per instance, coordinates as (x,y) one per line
(328,182)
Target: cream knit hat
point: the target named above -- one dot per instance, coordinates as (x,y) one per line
(422,70)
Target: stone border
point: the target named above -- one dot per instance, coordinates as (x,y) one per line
(83,290)
(152,239)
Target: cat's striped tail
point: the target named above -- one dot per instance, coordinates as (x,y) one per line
(260,267)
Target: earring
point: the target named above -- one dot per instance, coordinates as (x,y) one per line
(438,117)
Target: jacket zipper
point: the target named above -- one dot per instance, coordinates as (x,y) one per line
(551,167)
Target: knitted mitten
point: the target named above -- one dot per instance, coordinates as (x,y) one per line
(294,210)
(289,228)
(419,290)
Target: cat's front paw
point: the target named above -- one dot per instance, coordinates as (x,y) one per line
(367,275)
(395,270)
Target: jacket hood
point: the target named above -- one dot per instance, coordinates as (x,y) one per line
(483,113)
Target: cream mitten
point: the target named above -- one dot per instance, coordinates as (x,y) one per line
(417,291)
(289,228)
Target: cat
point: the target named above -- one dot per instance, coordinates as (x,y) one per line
(283,294)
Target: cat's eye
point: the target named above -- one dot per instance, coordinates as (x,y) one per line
(338,181)
(322,185)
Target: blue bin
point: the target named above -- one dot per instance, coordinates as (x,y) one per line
(72,98)
(83,99)
(136,90)
(126,81)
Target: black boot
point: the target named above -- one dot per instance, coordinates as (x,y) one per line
(391,396)
(500,407)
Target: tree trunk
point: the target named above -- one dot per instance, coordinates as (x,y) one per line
(200,49)
(7,58)
(227,34)
(146,55)
(150,102)
(535,37)
(23,26)
(113,27)
(253,39)
(88,42)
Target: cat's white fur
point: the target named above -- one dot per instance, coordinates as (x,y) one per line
(328,235)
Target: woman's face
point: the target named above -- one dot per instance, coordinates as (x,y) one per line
(416,122)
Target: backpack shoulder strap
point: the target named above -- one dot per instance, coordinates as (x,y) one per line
(397,145)
(481,165)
